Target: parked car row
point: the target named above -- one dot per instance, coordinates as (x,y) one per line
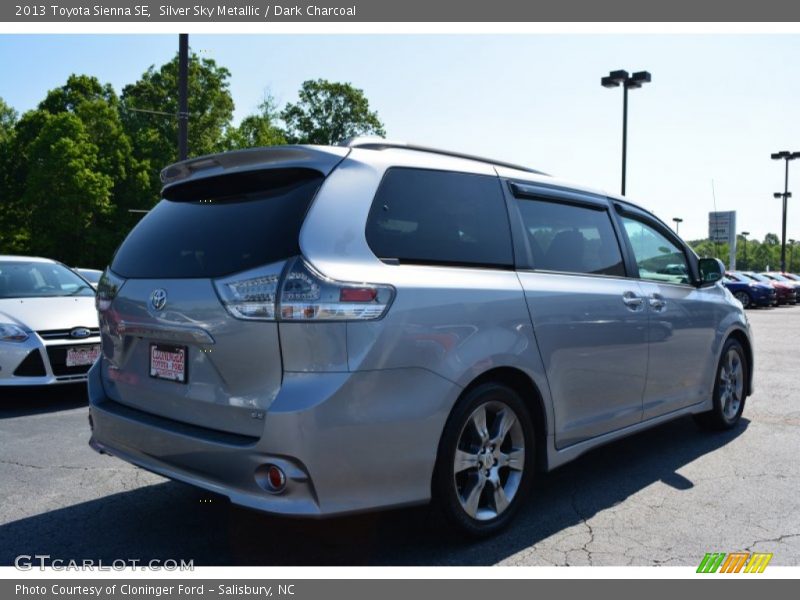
(763,289)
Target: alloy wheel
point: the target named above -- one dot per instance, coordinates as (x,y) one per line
(489,460)
(731,384)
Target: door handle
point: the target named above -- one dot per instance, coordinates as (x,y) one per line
(632,301)
(657,302)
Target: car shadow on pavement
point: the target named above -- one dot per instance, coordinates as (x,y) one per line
(173,521)
(34,400)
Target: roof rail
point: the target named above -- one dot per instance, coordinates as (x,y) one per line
(379,143)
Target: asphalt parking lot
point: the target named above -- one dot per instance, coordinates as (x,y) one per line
(663,497)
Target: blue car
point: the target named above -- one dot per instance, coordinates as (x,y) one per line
(750,293)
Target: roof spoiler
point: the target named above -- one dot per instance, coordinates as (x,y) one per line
(319,158)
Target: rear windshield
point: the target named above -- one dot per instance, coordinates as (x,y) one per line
(216,227)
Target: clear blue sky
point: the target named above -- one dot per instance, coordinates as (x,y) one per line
(717,107)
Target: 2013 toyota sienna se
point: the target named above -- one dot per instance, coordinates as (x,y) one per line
(314,331)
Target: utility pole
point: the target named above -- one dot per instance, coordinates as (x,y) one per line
(183,96)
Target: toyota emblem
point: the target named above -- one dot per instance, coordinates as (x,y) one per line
(158,299)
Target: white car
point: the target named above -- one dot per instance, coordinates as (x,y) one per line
(91,275)
(49,333)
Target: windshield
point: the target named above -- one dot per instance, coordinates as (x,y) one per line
(757,277)
(40,280)
(777,277)
(90,275)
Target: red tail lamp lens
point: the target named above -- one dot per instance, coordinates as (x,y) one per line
(357,294)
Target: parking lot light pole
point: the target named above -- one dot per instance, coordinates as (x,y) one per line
(678,222)
(786,156)
(785,197)
(615,79)
(744,235)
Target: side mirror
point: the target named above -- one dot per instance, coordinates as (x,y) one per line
(711,270)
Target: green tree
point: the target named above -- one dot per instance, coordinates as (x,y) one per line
(149,110)
(762,257)
(259,129)
(67,194)
(15,217)
(85,113)
(8,118)
(708,249)
(329,112)
(97,106)
(743,262)
(792,255)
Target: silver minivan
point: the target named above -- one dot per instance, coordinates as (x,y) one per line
(316,331)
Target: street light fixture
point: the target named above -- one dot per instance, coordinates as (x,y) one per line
(786,156)
(744,235)
(621,78)
(678,222)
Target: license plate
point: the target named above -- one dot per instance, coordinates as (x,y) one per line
(82,355)
(168,362)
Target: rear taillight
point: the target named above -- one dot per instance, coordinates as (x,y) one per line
(251,295)
(309,296)
(301,294)
(107,289)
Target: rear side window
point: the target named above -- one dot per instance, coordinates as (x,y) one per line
(439,217)
(220,226)
(571,238)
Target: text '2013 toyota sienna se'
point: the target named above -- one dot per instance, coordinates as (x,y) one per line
(315,331)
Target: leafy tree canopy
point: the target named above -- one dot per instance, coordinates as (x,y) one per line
(259,129)
(329,112)
(8,118)
(149,110)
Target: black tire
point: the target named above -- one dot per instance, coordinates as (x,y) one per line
(725,415)
(451,487)
(744,298)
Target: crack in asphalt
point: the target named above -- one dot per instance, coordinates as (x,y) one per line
(584,520)
(777,540)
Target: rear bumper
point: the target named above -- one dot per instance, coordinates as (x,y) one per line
(347,442)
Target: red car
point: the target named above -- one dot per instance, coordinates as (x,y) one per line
(784,278)
(786,291)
